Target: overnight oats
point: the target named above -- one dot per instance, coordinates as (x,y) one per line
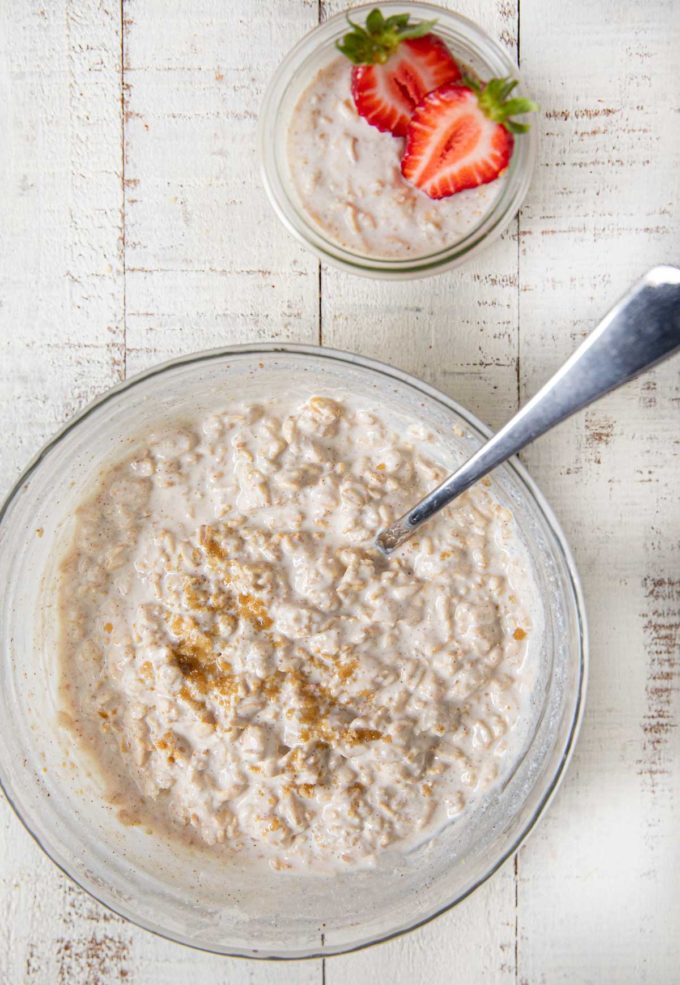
(348,178)
(396,141)
(250,673)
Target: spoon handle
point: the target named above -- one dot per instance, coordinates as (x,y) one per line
(640,331)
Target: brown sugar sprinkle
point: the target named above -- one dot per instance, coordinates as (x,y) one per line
(272,684)
(211,547)
(195,595)
(193,644)
(187,696)
(357,736)
(346,670)
(427,789)
(201,634)
(108,627)
(355,790)
(103,714)
(316,701)
(198,707)
(252,609)
(306,789)
(39,532)
(146,671)
(445,555)
(519,633)
(207,677)
(381,467)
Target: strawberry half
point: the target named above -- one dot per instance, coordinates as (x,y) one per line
(386,95)
(461,136)
(395,65)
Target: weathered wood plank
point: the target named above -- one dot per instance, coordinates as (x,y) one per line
(598,894)
(207,262)
(61,308)
(474,942)
(60,252)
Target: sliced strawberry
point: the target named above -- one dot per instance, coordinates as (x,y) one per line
(461,136)
(395,65)
(386,95)
(452,145)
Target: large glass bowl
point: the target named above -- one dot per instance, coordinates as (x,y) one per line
(180,893)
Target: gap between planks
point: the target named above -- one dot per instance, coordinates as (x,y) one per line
(123,206)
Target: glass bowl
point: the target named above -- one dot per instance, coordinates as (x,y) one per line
(473,49)
(178,892)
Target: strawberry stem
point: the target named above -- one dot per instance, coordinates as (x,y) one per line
(494,102)
(373,44)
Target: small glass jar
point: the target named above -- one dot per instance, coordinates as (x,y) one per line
(474,50)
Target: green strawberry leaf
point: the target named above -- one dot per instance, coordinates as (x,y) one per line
(373,44)
(494,102)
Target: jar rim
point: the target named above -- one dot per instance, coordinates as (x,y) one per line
(453,27)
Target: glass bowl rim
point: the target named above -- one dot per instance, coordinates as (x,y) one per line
(514,465)
(495,220)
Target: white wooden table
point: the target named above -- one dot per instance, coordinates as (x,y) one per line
(133,227)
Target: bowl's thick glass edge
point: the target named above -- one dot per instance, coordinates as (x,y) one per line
(388,370)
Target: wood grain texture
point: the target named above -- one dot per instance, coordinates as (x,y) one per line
(63,342)
(598,893)
(60,216)
(207,263)
(134,228)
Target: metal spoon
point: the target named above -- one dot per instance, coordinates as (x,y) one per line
(639,332)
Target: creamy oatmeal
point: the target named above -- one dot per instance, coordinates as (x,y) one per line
(249,670)
(347,175)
